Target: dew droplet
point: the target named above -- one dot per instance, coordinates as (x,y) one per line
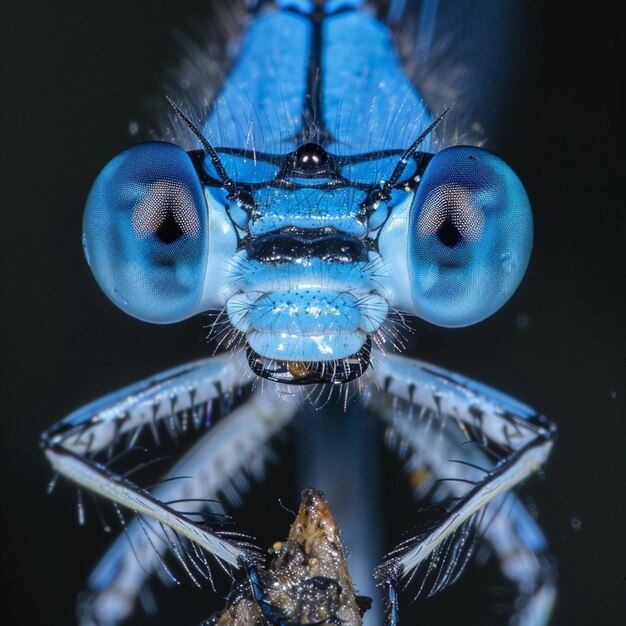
(522,321)
(119,296)
(508,262)
(86,250)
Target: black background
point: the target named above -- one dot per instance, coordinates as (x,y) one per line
(77,77)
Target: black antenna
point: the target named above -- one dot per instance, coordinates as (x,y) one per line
(242,196)
(382,194)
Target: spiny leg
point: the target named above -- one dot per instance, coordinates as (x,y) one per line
(433,413)
(232,446)
(444,463)
(176,399)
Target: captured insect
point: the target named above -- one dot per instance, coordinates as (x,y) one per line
(321,205)
(306,576)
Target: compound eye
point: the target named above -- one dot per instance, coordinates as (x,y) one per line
(145,232)
(470,237)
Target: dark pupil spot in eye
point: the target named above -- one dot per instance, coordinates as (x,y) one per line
(449,234)
(169,230)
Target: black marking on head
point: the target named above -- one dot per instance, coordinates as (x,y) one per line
(288,245)
(313,127)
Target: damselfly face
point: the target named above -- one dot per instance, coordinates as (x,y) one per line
(308,251)
(322,210)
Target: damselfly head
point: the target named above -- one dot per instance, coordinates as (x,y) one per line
(307,252)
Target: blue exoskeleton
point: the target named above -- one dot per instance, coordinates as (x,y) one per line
(319,206)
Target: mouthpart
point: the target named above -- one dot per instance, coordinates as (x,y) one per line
(334,372)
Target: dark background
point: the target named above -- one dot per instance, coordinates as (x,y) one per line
(76,78)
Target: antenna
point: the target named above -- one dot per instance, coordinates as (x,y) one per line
(382,194)
(243,197)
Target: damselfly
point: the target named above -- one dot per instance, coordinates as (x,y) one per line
(321,204)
